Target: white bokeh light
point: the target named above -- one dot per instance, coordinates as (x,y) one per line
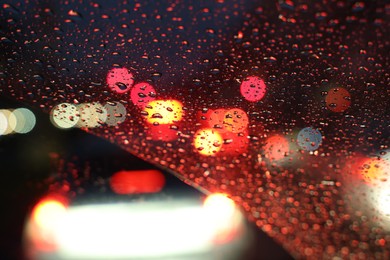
(22,120)
(64,116)
(116,113)
(91,115)
(3,122)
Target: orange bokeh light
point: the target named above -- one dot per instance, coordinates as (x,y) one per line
(233,120)
(164,111)
(137,182)
(236,120)
(375,171)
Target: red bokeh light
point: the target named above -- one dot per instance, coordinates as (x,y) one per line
(142,93)
(338,100)
(137,182)
(276,148)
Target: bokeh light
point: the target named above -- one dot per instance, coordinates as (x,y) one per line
(309,139)
(208,141)
(253,89)
(3,122)
(220,204)
(236,120)
(223,212)
(142,93)
(215,118)
(338,100)
(383,201)
(7,114)
(120,80)
(164,111)
(376,171)
(276,148)
(45,218)
(116,113)
(64,116)
(22,120)
(47,213)
(91,115)
(211,118)
(137,182)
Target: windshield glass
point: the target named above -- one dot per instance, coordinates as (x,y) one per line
(282,105)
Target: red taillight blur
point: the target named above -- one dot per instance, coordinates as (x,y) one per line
(137,182)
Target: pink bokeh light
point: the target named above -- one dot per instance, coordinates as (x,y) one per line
(253,89)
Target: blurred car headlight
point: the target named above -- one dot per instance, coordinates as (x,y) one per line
(132,230)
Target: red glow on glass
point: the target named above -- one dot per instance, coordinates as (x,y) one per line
(276,148)
(235,143)
(120,80)
(162,132)
(231,125)
(213,118)
(233,120)
(253,89)
(142,93)
(137,182)
(338,100)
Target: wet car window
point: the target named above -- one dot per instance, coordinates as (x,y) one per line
(282,105)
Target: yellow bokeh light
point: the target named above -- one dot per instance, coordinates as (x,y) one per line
(3,122)
(6,128)
(47,213)
(220,203)
(208,141)
(164,111)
